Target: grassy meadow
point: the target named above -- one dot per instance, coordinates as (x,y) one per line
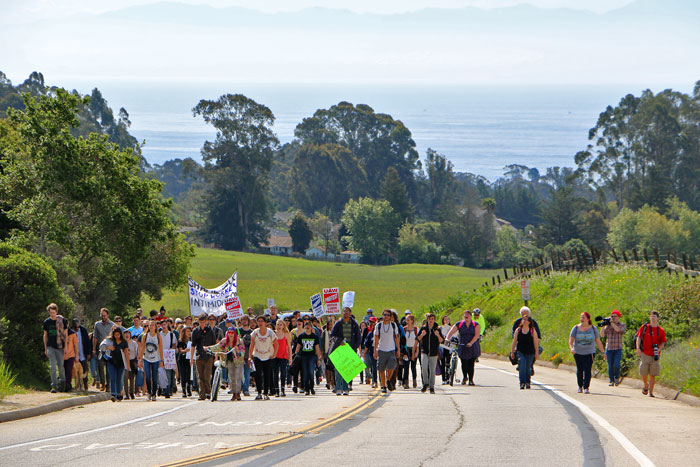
(291,281)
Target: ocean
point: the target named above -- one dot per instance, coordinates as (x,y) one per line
(481,129)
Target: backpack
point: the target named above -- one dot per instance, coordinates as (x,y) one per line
(644,332)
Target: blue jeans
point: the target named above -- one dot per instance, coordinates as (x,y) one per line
(371,365)
(167,391)
(340,384)
(93,368)
(116,378)
(525,366)
(151,370)
(614,358)
(246,378)
(279,375)
(308,368)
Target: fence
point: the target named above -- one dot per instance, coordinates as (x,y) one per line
(581,260)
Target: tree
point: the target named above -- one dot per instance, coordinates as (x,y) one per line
(372,227)
(81,203)
(237,164)
(300,232)
(440,177)
(414,248)
(594,229)
(623,234)
(559,217)
(325,232)
(375,140)
(468,234)
(394,191)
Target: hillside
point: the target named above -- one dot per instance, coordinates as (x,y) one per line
(291,281)
(557,301)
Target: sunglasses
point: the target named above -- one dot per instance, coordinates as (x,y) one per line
(386,314)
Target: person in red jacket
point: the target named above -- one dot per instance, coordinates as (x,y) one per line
(650,340)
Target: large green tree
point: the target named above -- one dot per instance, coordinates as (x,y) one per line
(82,203)
(394,191)
(372,228)
(300,232)
(237,164)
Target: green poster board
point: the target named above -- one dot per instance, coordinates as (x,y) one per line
(347,362)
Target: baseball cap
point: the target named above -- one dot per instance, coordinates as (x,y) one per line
(407,312)
(372,319)
(369,310)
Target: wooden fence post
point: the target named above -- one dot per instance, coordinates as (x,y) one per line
(505,273)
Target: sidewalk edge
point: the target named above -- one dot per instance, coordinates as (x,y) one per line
(52,407)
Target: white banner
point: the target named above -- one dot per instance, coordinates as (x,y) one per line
(205,301)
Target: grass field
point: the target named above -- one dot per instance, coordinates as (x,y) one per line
(291,281)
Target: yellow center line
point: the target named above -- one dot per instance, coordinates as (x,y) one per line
(314,428)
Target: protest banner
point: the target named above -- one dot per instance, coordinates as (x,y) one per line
(233,308)
(331,300)
(270,302)
(169,359)
(347,362)
(205,301)
(348,299)
(316,305)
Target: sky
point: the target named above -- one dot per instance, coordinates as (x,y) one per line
(71,40)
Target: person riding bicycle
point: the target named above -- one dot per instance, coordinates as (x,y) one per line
(234,360)
(469,349)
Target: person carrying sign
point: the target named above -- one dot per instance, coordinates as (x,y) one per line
(386,348)
(348,329)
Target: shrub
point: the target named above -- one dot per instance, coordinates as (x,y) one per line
(7,380)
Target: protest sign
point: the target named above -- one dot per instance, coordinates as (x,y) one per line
(347,362)
(348,299)
(316,305)
(270,302)
(331,300)
(169,359)
(205,301)
(233,308)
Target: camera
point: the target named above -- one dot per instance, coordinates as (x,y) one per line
(656,351)
(603,321)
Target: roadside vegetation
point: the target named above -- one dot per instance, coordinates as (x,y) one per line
(557,301)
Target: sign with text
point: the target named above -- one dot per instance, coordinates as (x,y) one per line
(270,302)
(233,308)
(525,289)
(205,301)
(317,305)
(347,362)
(169,359)
(331,300)
(348,299)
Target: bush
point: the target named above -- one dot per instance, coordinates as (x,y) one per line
(7,380)
(27,284)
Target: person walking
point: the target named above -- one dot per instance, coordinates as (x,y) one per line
(151,357)
(116,354)
(283,358)
(526,342)
(445,354)
(346,329)
(650,340)
(234,360)
(525,311)
(368,351)
(204,335)
(583,339)
(70,354)
(244,333)
(429,338)
(411,357)
(101,330)
(326,342)
(469,348)
(263,348)
(132,367)
(184,345)
(386,348)
(613,346)
(169,340)
(84,350)
(307,346)
(55,335)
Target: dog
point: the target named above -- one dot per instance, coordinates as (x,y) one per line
(78,376)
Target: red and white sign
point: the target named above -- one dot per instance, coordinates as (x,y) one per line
(525,289)
(331,300)
(233,308)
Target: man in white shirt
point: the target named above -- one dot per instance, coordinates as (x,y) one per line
(386,348)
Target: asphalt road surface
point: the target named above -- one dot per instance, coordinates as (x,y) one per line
(491,424)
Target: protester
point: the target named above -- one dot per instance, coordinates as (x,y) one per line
(348,330)
(445,327)
(386,349)
(132,368)
(429,337)
(244,332)
(116,353)
(310,353)
(69,356)
(184,345)
(526,341)
(283,358)
(234,360)
(136,330)
(55,335)
(326,341)
(151,357)
(101,330)
(649,340)
(273,316)
(161,316)
(409,362)
(401,346)
(368,351)
(84,350)
(613,346)
(370,314)
(469,348)
(169,340)
(263,348)
(583,340)
(204,335)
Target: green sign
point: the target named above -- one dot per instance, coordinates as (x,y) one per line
(347,362)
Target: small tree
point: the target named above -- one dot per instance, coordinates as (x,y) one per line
(300,232)
(372,227)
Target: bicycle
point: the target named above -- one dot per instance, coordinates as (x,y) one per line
(452,347)
(218,370)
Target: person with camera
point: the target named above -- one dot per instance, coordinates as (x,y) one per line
(650,340)
(613,329)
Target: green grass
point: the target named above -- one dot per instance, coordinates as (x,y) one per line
(7,380)
(291,281)
(559,299)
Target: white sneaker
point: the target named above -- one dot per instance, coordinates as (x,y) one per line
(586,391)
(580,390)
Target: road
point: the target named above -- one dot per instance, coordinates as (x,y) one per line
(493,423)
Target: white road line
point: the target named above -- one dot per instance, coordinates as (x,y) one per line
(627,445)
(97,430)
